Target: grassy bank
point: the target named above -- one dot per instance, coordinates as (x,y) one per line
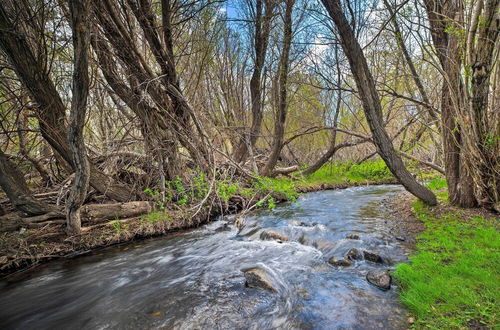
(453,281)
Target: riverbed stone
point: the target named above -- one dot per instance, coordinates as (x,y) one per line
(268,235)
(352,236)
(258,278)
(354,254)
(339,262)
(380,278)
(323,244)
(373,257)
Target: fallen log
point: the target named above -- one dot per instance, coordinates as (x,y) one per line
(285,170)
(91,214)
(95,213)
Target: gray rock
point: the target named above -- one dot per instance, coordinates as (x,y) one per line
(352,236)
(379,278)
(272,235)
(339,262)
(354,254)
(258,278)
(373,257)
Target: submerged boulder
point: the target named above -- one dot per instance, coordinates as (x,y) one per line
(379,278)
(323,244)
(373,257)
(354,254)
(352,236)
(272,235)
(339,262)
(258,278)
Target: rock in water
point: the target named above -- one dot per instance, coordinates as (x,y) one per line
(352,236)
(373,257)
(354,254)
(258,278)
(272,235)
(379,278)
(341,262)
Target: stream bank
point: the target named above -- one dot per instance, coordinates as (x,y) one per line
(28,248)
(195,279)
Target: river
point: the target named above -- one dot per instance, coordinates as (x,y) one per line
(193,279)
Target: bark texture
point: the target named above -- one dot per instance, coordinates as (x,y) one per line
(14,186)
(371,104)
(79,10)
(51,110)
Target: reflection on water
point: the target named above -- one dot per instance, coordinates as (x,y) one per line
(193,280)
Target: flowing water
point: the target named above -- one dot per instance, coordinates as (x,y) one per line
(193,280)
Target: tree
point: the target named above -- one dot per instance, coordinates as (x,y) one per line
(50,107)
(283,71)
(79,10)
(468,127)
(371,103)
(264,12)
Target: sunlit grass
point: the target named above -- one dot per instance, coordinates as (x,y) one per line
(336,173)
(453,281)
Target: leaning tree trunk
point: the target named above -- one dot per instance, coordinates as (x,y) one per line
(14,186)
(371,104)
(81,39)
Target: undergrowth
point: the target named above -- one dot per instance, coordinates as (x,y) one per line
(453,280)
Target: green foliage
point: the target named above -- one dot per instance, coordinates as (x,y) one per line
(439,186)
(176,185)
(200,185)
(453,280)
(351,173)
(376,170)
(225,189)
(282,188)
(437,183)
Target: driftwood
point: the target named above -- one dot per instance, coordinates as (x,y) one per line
(91,214)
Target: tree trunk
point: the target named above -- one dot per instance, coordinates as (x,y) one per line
(483,147)
(51,110)
(371,104)
(95,213)
(90,214)
(14,186)
(261,41)
(81,38)
(283,70)
(458,177)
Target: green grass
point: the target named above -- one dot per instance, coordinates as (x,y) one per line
(440,188)
(452,282)
(336,173)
